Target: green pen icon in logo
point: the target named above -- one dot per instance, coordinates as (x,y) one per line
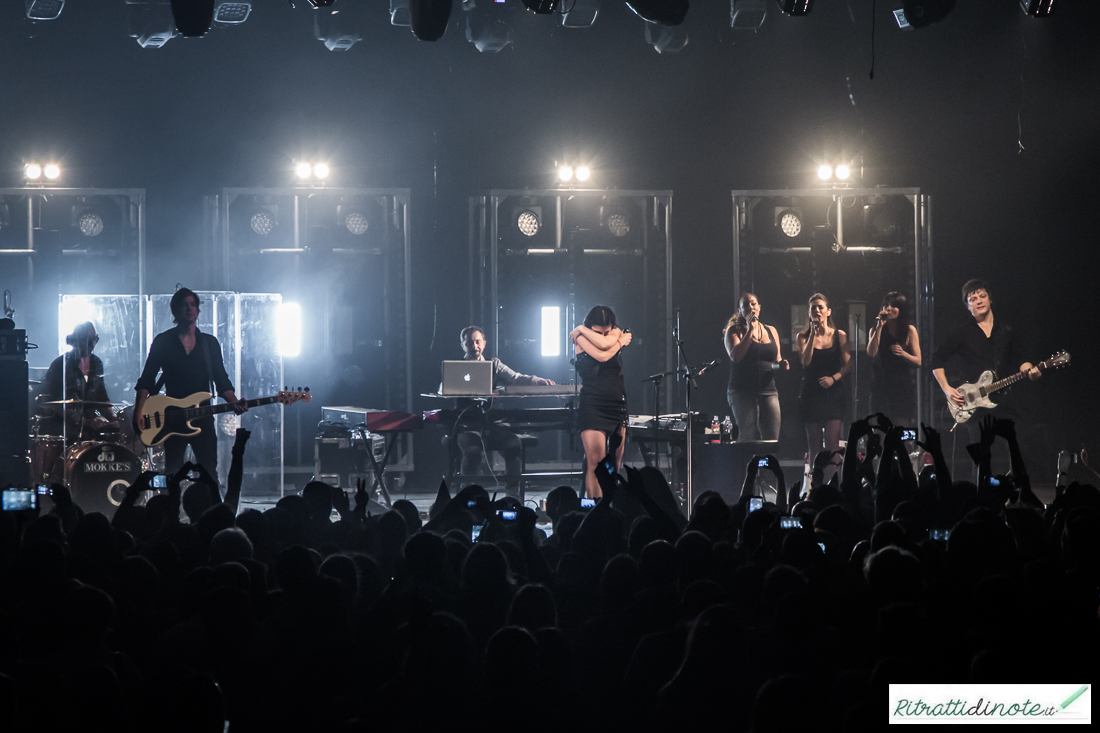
(1073,697)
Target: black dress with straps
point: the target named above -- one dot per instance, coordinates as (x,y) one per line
(603,393)
(893,391)
(817,404)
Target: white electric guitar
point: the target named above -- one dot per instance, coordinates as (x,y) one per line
(163,417)
(977,395)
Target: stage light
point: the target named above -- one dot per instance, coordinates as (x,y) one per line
(618,224)
(748,15)
(565,173)
(429,18)
(288,334)
(303,169)
(665,40)
(44,9)
(193,17)
(1037,8)
(551,330)
(356,223)
(790,223)
(320,171)
(824,172)
(795,7)
(32,171)
(262,222)
(231,13)
(922,13)
(843,171)
(151,24)
(51,171)
(73,311)
(581,14)
(399,13)
(486,29)
(528,223)
(661,12)
(338,30)
(583,173)
(90,223)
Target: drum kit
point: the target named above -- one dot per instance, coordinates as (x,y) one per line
(100,462)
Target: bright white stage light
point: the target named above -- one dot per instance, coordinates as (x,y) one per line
(288,329)
(528,223)
(843,171)
(618,224)
(357,223)
(565,173)
(90,224)
(262,222)
(583,173)
(303,169)
(551,330)
(74,310)
(790,224)
(824,172)
(320,170)
(32,172)
(52,171)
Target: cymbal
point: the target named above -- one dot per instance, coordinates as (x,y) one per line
(85,403)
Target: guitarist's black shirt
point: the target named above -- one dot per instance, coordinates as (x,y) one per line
(967,352)
(184,374)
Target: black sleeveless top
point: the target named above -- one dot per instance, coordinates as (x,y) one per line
(754,372)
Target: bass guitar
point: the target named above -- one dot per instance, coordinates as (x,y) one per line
(977,394)
(162,417)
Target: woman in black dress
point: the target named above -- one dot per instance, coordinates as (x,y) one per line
(602,409)
(754,354)
(823,351)
(894,348)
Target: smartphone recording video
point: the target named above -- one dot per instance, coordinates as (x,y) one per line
(508,515)
(587,503)
(475,532)
(908,434)
(755,503)
(44,490)
(160,481)
(19,500)
(790,523)
(939,535)
(762,463)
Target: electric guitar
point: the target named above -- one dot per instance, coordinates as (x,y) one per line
(163,417)
(977,395)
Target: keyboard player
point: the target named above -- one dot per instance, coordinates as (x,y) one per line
(476,438)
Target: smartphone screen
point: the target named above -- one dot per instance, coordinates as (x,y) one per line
(790,523)
(587,503)
(755,503)
(994,481)
(44,490)
(18,500)
(471,503)
(475,532)
(762,463)
(508,515)
(160,481)
(940,535)
(908,434)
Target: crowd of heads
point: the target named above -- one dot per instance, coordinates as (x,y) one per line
(627,616)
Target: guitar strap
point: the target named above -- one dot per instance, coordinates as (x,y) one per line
(209,371)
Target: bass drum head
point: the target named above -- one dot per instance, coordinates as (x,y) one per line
(99,474)
(47,458)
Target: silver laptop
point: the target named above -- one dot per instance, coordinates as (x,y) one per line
(465,378)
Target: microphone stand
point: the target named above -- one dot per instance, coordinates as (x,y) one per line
(688,374)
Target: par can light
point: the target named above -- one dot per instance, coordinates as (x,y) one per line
(583,173)
(52,171)
(320,170)
(303,169)
(565,173)
(528,223)
(843,171)
(32,171)
(824,172)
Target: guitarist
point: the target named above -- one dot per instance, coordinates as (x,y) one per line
(978,344)
(191,361)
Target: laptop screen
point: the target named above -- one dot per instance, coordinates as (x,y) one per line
(467,377)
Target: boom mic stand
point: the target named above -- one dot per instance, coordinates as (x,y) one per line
(688,374)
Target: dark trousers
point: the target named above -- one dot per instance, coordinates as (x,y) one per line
(757,415)
(204,445)
(498,438)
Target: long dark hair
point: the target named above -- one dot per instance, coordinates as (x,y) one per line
(600,315)
(894,299)
(737,319)
(805,333)
(176,304)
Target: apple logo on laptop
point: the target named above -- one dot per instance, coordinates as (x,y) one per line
(466,377)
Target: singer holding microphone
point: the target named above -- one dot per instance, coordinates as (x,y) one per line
(753,349)
(602,408)
(894,348)
(823,352)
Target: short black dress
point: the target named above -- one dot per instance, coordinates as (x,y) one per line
(603,393)
(893,391)
(815,403)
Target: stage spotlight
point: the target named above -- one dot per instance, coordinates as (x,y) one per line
(486,29)
(661,12)
(551,330)
(1036,8)
(231,13)
(922,13)
(44,9)
(824,172)
(151,24)
(399,13)
(51,171)
(583,173)
(262,222)
(581,14)
(339,31)
(32,171)
(193,17)
(528,223)
(356,222)
(288,336)
(664,39)
(302,169)
(790,223)
(74,310)
(618,224)
(320,171)
(429,18)
(843,171)
(90,223)
(565,173)
(748,15)
(795,7)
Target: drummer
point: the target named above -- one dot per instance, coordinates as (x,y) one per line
(75,380)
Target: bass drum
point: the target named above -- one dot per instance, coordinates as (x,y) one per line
(48,458)
(98,475)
